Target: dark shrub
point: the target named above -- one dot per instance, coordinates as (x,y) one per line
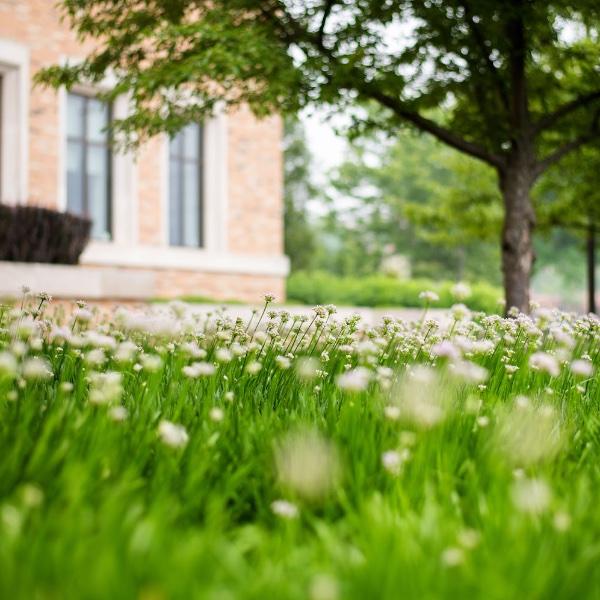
(33,234)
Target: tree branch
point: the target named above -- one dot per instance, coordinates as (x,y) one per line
(565,149)
(564,110)
(441,133)
(326,12)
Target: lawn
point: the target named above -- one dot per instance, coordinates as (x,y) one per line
(176,455)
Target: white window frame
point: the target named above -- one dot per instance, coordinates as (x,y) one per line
(14,142)
(124,181)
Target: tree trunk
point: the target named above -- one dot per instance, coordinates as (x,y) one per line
(591,268)
(517,235)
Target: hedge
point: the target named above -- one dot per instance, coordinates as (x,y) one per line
(41,235)
(380,290)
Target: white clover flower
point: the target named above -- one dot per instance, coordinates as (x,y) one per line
(324,587)
(544,362)
(204,369)
(151,362)
(19,348)
(223,355)
(95,357)
(392,412)
(193,350)
(461,290)
(307,464)
(105,388)
(33,496)
(59,334)
(260,337)
(445,349)
(198,369)
(229,396)
(25,328)
(238,350)
(511,369)
(66,387)
(582,368)
(283,362)
(453,557)
(83,315)
(354,380)
(172,434)
(126,352)
(459,312)
(561,521)
(99,340)
(393,461)
(8,364)
(284,509)
(36,368)
(253,367)
(527,434)
(483,421)
(531,496)
(216,414)
(562,337)
(469,538)
(469,372)
(429,296)
(118,413)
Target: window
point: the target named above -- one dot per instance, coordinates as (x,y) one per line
(89,162)
(185,187)
(14,124)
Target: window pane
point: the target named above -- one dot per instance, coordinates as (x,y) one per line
(174,202)
(97,189)
(191,205)
(97,120)
(176,144)
(75,177)
(191,141)
(75,111)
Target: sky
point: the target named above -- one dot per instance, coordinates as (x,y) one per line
(326,147)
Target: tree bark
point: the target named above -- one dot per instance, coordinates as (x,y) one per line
(517,234)
(591,268)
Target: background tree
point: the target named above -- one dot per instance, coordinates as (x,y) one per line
(428,202)
(573,203)
(299,239)
(517,81)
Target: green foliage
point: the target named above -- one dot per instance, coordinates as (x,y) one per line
(439,209)
(379,290)
(283,55)
(299,238)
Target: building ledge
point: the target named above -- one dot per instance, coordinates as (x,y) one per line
(184,259)
(76,281)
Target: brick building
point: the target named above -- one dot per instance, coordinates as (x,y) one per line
(198,214)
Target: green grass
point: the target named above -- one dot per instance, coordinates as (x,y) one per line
(416,475)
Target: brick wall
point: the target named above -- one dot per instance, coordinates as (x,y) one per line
(254,164)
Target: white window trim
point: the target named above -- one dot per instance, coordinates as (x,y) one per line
(124,173)
(14,70)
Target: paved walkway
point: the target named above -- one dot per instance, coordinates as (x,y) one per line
(369,316)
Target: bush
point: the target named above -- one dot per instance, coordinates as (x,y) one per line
(379,290)
(33,234)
